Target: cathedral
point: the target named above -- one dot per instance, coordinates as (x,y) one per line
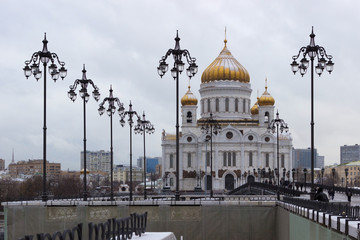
(243,150)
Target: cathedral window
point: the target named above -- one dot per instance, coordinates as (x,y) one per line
(282,160)
(224,159)
(250,159)
(244,105)
(236,105)
(171,161)
(267,160)
(217,105)
(234,159)
(229,159)
(208,105)
(266,119)
(208,159)
(189,117)
(226,104)
(189,160)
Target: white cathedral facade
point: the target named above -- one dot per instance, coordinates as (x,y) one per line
(244,150)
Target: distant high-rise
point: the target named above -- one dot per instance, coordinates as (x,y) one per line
(302,158)
(96,161)
(150,163)
(349,153)
(2,164)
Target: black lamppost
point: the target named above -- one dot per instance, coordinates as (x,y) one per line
(305,172)
(333,175)
(346,176)
(293,176)
(324,61)
(177,69)
(322,176)
(130,113)
(44,57)
(274,126)
(297,175)
(211,126)
(110,111)
(84,82)
(276,172)
(144,126)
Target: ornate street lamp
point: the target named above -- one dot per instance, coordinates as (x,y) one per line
(112,101)
(284,172)
(211,126)
(324,62)
(333,175)
(177,69)
(274,126)
(293,174)
(32,67)
(84,82)
(305,172)
(346,175)
(144,126)
(322,176)
(130,113)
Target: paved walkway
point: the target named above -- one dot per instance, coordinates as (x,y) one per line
(341,197)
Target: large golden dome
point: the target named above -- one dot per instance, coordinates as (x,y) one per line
(225,67)
(266,99)
(189,99)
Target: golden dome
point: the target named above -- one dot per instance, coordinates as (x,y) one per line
(225,67)
(255,109)
(189,98)
(266,99)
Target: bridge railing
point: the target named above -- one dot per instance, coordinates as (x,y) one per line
(123,228)
(267,187)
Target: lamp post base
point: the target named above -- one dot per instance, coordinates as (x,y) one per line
(44,197)
(177,196)
(85,195)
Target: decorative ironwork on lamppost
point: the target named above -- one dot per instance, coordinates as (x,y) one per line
(333,175)
(177,69)
(324,62)
(130,113)
(322,176)
(32,67)
(144,126)
(84,82)
(211,126)
(112,101)
(274,126)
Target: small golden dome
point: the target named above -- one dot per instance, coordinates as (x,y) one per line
(225,67)
(266,99)
(255,108)
(189,99)
(82,171)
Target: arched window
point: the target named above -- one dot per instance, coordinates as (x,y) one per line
(236,105)
(189,117)
(208,159)
(266,119)
(226,104)
(244,105)
(208,105)
(250,159)
(171,161)
(267,160)
(234,159)
(282,160)
(229,158)
(217,105)
(189,160)
(224,159)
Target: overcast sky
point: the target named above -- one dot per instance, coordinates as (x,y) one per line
(121,43)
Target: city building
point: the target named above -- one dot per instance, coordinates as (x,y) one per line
(150,163)
(353,177)
(122,174)
(26,169)
(349,153)
(302,158)
(2,164)
(96,161)
(242,147)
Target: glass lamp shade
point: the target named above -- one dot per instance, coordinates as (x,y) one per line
(173,72)
(160,72)
(122,122)
(179,65)
(45,58)
(302,70)
(101,110)
(27,71)
(52,68)
(96,95)
(72,95)
(318,69)
(329,66)
(108,112)
(38,74)
(34,68)
(304,63)
(63,72)
(87,97)
(294,66)
(164,67)
(55,76)
(121,109)
(83,93)
(188,72)
(322,62)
